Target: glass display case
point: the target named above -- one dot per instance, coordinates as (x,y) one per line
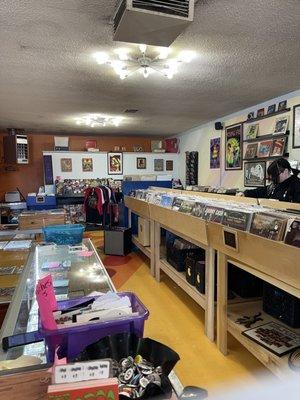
(75,274)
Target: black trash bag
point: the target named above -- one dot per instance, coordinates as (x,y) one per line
(127,344)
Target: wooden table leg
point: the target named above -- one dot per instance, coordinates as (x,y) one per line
(210,293)
(152,247)
(157,250)
(222,279)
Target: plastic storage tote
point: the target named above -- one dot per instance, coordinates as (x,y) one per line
(64,234)
(72,340)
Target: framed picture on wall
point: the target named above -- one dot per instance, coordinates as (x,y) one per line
(255,173)
(296,126)
(215,145)
(233,147)
(115,163)
(169,165)
(158,164)
(66,164)
(87,165)
(141,163)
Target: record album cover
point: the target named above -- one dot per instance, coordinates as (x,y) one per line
(186,206)
(198,209)
(251,150)
(292,236)
(270,226)
(237,219)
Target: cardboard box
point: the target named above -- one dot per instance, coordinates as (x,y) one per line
(144,231)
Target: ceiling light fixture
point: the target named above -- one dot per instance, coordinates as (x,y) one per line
(145,62)
(98,120)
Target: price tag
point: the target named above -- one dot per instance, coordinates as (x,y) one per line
(68,373)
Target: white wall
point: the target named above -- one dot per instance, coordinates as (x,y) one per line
(100,164)
(198,139)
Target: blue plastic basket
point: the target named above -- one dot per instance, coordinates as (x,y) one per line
(64,234)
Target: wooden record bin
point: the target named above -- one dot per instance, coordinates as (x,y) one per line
(193,230)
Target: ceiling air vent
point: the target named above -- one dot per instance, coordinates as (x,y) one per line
(153,22)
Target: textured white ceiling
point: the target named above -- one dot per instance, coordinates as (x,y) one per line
(248,52)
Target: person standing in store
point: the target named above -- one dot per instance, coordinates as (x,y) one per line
(285,184)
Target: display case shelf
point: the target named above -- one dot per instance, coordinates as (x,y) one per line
(249,121)
(179,279)
(144,249)
(278,365)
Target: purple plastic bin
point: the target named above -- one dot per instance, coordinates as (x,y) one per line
(73,340)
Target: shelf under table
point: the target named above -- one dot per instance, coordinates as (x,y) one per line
(179,278)
(144,249)
(278,365)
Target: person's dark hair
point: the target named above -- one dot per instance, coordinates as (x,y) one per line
(277,167)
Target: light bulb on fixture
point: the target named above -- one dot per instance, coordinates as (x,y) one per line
(101,57)
(123,54)
(163,52)
(146,72)
(186,56)
(146,62)
(143,48)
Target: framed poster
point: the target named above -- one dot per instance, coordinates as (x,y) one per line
(141,163)
(66,164)
(296,130)
(169,165)
(233,147)
(87,165)
(275,337)
(158,164)
(115,163)
(255,173)
(215,145)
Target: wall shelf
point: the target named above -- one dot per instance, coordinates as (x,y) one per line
(249,121)
(286,155)
(266,137)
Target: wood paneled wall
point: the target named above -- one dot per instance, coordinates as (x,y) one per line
(29,177)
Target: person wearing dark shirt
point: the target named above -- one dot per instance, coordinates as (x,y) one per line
(285,184)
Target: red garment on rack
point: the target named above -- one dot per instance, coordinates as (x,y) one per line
(100,198)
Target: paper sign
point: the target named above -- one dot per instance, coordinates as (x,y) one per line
(47,302)
(83,371)
(85,253)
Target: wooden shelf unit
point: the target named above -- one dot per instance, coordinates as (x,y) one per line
(278,365)
(139,207)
